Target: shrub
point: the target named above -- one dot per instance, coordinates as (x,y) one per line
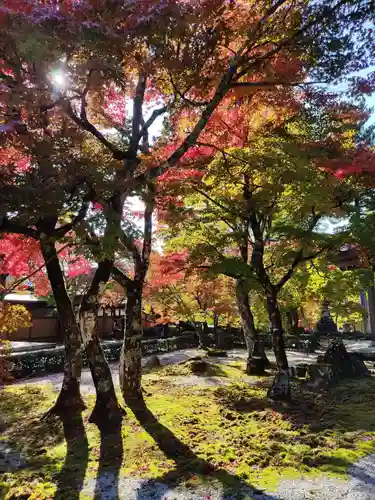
(52,360)
(12,318)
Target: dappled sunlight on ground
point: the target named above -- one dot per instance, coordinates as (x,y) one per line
(219,436)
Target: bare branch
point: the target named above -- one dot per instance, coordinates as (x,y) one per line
(62,230)
(117,153)
(129,244)
(274,83)
(182,95)
(137,112)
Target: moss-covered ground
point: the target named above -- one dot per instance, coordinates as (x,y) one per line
(229,433)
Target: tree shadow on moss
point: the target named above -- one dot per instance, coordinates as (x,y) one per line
(71,477)
(344,406)
(16,403)
(110,461)
(340,418)
(21,425)
(188,464)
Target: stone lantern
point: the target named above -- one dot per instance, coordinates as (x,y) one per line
(326,325)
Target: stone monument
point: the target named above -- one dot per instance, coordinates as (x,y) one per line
(326,325)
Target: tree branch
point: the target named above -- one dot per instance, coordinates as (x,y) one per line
(273,84)
(222,88)
(182,95)
(33,273)
(137,112)
(117,153)
(62,230)
(155,114)
(147,234)
(299,259)
(121,278)
(212,200)
(128,243)
(10,226)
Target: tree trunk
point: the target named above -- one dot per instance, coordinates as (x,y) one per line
(292,320)
(215,325)
(218,333)
(69,399)
(131,352)
(289,321)
(371,308)
(295,317)
(107,411)
(250,334)
(200,334)
(280,388)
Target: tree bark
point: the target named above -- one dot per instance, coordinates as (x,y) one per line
(107,411)
(131,352)
(248,327)
(289,321)
(280,388)
(295,317)
(218,333)
(371,308)
(69,399)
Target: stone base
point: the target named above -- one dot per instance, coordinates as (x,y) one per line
(255,366)
(336,364)
(326,326)
(280,390)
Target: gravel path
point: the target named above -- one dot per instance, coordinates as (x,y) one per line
(169,358)
(360,485)
(87,386)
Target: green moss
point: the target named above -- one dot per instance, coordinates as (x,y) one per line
(235,429)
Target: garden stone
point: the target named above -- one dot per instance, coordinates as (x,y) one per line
(280,390)
(199,366)
(343,363)
(301,370)
(152,362)
(10,460)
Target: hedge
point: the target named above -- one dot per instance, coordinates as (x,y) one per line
(52,360)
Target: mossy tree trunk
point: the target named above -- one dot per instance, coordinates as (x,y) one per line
(280,388)
(254,350)
(69,399)
(131,352)
(107,411)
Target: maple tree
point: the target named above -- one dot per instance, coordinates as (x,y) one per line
(41,203)
(255,213)
(319,281)
(175,294)
(175,57)
(37,260)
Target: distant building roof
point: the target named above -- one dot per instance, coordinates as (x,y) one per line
(347,258)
